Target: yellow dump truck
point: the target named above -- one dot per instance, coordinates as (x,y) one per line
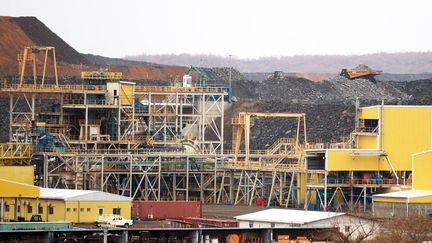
(361,71)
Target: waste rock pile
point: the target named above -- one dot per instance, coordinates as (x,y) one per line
(329,105)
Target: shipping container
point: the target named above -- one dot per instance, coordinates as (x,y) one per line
(157,210)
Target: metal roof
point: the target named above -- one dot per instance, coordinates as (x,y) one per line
(80,195)
(287,216)
(406,194)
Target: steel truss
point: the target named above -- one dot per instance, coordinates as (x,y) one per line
(192,118)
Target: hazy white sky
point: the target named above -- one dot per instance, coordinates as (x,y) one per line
(247,29)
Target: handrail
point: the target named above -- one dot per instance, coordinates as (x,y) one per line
(357,181)
(373,130)
(51,87)
(140,88)
(15,150)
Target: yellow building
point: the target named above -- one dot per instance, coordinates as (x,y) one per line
(377,158)
(418,200)
(23,201)
(18,173)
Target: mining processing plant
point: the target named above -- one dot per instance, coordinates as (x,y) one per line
(166,143)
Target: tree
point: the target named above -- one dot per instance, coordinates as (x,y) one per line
(415,228)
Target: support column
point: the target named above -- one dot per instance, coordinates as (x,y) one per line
(10,117)
(231,187)
(187,178)
(325,191)
(364,199)
(351,190)
(2,210)
(174,187)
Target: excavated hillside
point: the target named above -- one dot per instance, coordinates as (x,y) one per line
(19,32)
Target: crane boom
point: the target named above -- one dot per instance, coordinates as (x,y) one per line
(203,77)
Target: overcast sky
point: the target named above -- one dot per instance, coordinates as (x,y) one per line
(246,29)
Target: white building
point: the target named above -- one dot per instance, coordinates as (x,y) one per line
(349,225)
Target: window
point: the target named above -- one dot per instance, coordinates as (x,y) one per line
(40,210)
(272,225)
(82,209)
(100,211)
(18,208)
(7,208)
(67,209)
(115,92)
(250,224)
(29,209)
(51,210)
(368,125)
(347,229)
(88,209)
(75,209)
(116,211)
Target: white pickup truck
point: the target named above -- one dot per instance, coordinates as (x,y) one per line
(113,221)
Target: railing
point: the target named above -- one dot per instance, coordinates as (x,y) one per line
(50,87)
(15,151)
(22,121)
(345,143)
(139,88)
(241,121)
(281,141)
(101,75)
(100,137)
(82,122)
(263,165)
(356,181)
(372,130)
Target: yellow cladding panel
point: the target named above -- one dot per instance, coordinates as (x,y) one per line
(126,93)
(422,167)
(301,186)
(407,130)
(22,174)
(342,160)
(88,211)
(369,112)
(389,199)
(16,189)
(425,199)
(367,142)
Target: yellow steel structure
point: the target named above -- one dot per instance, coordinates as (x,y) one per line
(97,75)
(126,93)
(387,147)
(393,135)
(244,122)
(30,55)
(15,151)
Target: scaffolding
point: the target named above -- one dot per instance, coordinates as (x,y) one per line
(147,142)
